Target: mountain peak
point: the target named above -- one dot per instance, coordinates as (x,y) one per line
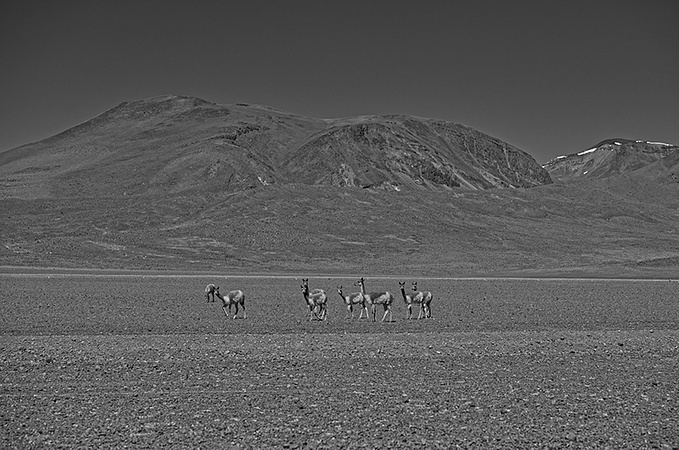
(607,158)
(172,143)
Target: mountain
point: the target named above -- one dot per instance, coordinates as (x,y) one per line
(608,158)
(174,144)
(179,183)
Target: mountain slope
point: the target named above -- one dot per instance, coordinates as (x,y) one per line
(599,228)
(608,158)
(183,184)
(174,144)
(397,151)
(155,146)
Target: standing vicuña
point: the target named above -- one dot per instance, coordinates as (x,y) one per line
(355,298)
(409,300)
(233,298)
(377,298)
(210,290)
(424,298)
(315,299)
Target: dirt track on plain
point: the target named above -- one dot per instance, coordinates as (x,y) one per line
(145,362)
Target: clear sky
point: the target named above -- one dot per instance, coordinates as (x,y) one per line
(550,77)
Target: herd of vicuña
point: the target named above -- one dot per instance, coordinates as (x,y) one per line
(317,301)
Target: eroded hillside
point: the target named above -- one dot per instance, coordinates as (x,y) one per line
(170,145)
(183,184)
(609,158)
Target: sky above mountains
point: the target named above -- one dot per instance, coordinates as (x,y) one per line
(549,77)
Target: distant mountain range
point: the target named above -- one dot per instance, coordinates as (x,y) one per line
(608,158)
(181,183)
(172,144)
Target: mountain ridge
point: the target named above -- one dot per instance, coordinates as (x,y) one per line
(178,183)
(608,158)
(189,142)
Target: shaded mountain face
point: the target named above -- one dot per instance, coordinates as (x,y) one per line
(174,144)
(393,152)
(609,158)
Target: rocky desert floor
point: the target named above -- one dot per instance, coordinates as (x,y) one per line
(93,360)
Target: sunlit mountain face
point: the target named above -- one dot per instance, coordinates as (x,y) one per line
(184,184)
(607,158)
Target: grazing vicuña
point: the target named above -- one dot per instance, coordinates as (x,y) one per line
(210,291)
(424,298)
(355,298)
(377,298)
(236,298)
(315,299)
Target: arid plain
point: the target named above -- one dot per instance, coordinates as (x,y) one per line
(141,360)
(564,333)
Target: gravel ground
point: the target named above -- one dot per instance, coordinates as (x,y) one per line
(503,364)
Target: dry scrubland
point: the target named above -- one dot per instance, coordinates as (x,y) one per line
(106,361)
